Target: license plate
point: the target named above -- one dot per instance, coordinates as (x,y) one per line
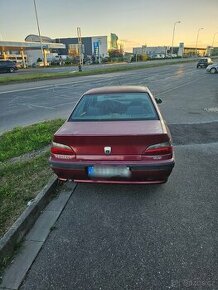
(108,171)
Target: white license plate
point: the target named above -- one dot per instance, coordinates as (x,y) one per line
(108,171)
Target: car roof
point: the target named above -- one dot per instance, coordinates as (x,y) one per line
(117,89)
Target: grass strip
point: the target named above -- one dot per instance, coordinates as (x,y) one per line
(19,183)
(56,75)
(23,140)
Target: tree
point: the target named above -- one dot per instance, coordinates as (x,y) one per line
(115,53)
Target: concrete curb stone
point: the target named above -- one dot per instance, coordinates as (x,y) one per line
(25,221)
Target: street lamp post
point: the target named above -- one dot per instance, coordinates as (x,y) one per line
(197,40)
(174,27)
(211,49)
(214,38)
(40,38)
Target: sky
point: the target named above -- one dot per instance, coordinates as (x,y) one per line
(136,23)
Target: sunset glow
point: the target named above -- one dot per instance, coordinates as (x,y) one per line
(136,24)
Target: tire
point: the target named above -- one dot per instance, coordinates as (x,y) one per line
(11,70)
(213,70)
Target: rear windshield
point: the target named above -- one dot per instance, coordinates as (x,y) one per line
(115,107)
(205,60)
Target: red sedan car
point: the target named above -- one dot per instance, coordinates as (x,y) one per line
(114,135)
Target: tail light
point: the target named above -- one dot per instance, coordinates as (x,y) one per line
(159,149)
(62,151)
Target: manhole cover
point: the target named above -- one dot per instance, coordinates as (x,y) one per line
(213,110)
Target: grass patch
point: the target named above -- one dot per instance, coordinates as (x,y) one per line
(20,183)
(23,140)
(23,178)
(56,75)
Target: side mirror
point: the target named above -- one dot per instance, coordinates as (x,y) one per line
(158,101)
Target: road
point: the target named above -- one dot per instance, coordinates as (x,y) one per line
(72,69)
(189,95)
(134,236)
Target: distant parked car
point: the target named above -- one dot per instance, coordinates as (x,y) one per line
(204,62)
(114,135)
(39,64)
(213,68)
(8,66)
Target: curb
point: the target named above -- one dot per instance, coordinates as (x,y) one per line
(25,221)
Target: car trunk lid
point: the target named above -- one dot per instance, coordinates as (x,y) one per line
(120,137)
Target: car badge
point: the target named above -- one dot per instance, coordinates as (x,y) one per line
(107,150)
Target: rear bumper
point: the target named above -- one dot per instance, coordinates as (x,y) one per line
(141,172)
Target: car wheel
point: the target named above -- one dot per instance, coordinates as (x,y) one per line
(213,70)
(197,66)
(11,70)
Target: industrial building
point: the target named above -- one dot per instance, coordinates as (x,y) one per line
(92,47)
(165,51)
(152,51)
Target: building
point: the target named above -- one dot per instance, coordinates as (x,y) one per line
(157,51)
(95,46)
(36,38)
(212,51)
(49,46)
(113,42)
(139,50)
(28,52)
(152,51)
(185,51)
(165,51)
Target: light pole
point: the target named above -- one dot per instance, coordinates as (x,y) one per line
(213,42)
(174,27)
(197,40)
(40,38)
(214,38)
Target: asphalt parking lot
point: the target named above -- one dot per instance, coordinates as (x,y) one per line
(133,236)
(137,237)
